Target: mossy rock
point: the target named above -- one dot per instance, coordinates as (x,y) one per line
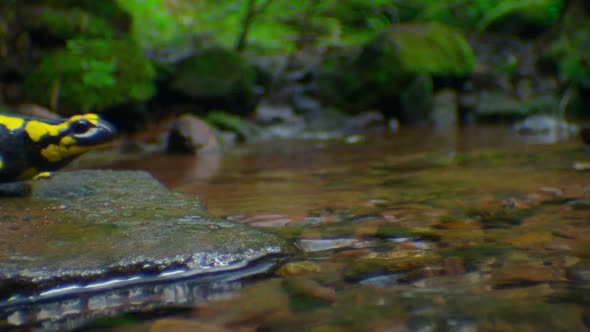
(392,60)
(216,74)
(89,233)
(412,49)
(93,74)
(225,121)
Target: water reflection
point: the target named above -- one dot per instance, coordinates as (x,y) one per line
(69,311)
(289,178)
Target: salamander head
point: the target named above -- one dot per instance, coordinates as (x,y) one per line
(63,140)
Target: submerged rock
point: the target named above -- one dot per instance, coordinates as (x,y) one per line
(445,112)
(395,68)
(245,130)
(87,227)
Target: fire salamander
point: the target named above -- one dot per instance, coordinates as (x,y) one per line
(32,147)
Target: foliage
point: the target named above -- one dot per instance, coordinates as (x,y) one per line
(93,74)
(176,30)
(285,25)
(68,23)
(545,12)
(574,66)
(280,25)
(107,9)
(572,48)
(358,20)
(153,24)
(480,14)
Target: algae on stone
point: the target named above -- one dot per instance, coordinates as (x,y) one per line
(422,49)
(225,121)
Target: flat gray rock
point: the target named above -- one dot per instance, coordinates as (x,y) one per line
(85,227)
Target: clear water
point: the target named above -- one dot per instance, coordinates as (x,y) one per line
(479,230)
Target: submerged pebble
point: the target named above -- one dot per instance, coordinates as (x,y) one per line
(297,268)
(309,245)
(382,281)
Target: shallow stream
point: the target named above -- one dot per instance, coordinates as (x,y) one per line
(480,230)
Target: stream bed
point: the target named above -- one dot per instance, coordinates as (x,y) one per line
(479,230)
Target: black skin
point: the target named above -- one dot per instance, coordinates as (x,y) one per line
(20,153)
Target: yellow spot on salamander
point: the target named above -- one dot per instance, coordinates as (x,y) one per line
(53,153)
(38,129)
(92,117)
(10,122)
(1,162)
(43,175)
(67,141)
(66,148)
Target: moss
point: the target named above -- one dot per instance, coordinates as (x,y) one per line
(93,74)
(233,123)
(428,49)
(390,61)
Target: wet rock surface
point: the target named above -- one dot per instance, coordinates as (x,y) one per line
(191,135)
(82,228)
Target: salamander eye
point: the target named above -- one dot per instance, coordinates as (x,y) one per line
(80,126)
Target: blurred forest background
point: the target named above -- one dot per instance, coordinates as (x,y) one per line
(263,62)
